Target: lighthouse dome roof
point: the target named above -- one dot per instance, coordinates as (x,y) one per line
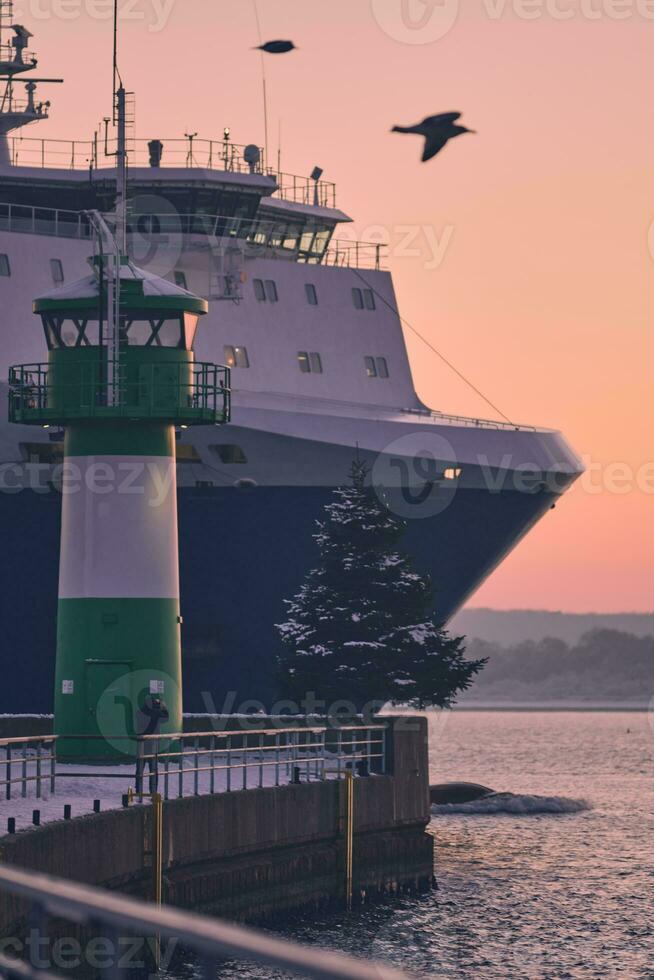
(139,291)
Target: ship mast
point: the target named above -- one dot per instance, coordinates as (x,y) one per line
(15,61)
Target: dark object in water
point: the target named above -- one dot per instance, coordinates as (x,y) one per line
(457,792)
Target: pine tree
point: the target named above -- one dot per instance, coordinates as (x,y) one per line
(360,628)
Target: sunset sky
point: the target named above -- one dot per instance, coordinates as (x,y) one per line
(532,269)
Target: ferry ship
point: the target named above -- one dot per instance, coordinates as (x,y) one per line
(308,322)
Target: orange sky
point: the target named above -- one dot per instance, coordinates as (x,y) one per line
(543,292)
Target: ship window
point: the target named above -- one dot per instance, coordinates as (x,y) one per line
(230,453)
(306,241)
(271,291)
(382,367)
(321,241)
(5,268)
(57,270)
(186,453)
(452,473)
(309,362)
(236,357)
(312,294)
(259,290)
(291,237)
(180,278)
(369,299)
(357,298)
(371,367)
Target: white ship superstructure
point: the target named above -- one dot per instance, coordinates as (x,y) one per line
(320,374)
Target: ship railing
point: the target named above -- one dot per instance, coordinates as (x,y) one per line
(195,764)
(468,421)
(355,255)
(27,762)
(185,154)
(304,190)
(44,221)
(28,59)
(124,924)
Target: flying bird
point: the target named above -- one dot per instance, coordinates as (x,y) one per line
(276,47)
(437,130)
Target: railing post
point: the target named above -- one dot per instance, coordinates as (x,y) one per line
(138,775)
(38,770)
(53,767)
(8,771)
(349,837)
(212,762)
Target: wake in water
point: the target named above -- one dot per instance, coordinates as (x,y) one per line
(513,803)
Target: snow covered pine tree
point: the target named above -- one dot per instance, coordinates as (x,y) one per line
(360,630)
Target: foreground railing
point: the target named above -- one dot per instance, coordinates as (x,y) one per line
(223,762)
(119,919)
(25,762)
(179,764)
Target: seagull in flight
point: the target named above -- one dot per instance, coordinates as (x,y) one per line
(276,47)
(437,130)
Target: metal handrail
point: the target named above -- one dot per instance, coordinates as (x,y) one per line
(209,938)
(31,392)
(173,757)
(43,757)
(220,155)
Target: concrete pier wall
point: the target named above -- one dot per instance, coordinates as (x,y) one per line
(248,853)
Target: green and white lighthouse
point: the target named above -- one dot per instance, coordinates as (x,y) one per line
(120,377)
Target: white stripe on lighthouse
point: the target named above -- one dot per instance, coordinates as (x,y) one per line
(119,528)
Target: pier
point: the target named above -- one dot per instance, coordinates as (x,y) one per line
(272,836)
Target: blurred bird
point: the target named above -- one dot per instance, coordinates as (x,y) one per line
(276,47)
(437,130)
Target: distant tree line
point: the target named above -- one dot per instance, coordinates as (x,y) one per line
(604,665)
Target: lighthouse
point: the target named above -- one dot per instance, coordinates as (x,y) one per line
(120,379)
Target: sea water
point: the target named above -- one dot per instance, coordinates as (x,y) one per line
(553,878)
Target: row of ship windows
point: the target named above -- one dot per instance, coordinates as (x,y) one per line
(265,290)
(56,268)
(52,453)
(309,361)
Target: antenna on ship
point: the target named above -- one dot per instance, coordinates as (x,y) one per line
(15,60)
(265,91)
(120,121)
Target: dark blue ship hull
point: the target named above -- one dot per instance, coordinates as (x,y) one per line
(242,552)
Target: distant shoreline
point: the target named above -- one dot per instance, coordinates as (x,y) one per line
(552,706)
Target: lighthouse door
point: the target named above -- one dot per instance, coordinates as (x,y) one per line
(108,703)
